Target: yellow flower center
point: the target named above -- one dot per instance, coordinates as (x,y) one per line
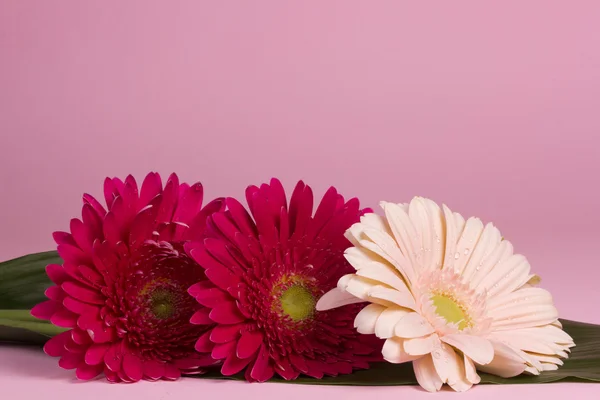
(161,304)
(297,302)
(447,308)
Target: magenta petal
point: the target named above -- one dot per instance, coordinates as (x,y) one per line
(100,333)
(151,187)
(285,370)
(249,343)
(189,204)
(55,347)
(80,337)
(233,365)
(113,357)
(86,372)
(132,366)
(46,309)
(85,294)
(211,297)
(55,293)
(78,307)
(88,199)
(225,333)
(298,362)
(171,373)
(64,318)
(222,277)
(95,353)
(154,369)
(72,254)
(262,370)
(63,238)
(82,235)
(223,350)
(56,273)
(203,344)
(198,287)
(226,313)
(200,317)
(241,217)
(70,360)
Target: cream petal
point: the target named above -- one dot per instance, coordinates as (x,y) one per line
(446,363)
(467,243)
(542,358)
(384,327)
(502,252)
(393,351)
(426,374)
(372,220)
(489,240)
(367,317)
(401,264)
(421,345)
(532,370)
(542,315)
(403,299)
(413,325)
(506,276)
(479,349)
(360,287)
(438,228)
(524,341)
(343,282)
(386,275)
(404,233)
(458,380)
(518,299)
(336,298)
(454,223)
(506,363)
(549,367)
(359,257)
(470,371)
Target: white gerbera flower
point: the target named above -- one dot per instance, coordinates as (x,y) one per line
(448,295)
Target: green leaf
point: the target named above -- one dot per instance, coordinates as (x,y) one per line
(24,280)
(582,365)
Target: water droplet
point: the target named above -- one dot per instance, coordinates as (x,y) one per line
(467,251)
(456,255)
(437,355)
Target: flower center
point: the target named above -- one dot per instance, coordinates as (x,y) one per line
(162,304)
(449,309)
(297,302)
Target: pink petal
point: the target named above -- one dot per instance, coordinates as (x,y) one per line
(80,337)
(95,353)
(92,221)
(100,333)
(55,293)
(46,309)
(222,277)
(56,273)
(201,317)
(55,347)
(151,187)
(70,360)
(171,373)
(113,357)
(211,297)
(132,366)
(83,293)
(262,370)
(189,204)
(223,350)
(86,372)
(82,235)
(249,344)
(154,369)
(64,318)
(225,333)
(87,199)
(298,362)
(241,217)
(63,238)
(203,344)
(226,313)
(233,365)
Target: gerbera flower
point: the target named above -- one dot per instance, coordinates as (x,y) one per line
(122,289)
(265,274)
(448,295)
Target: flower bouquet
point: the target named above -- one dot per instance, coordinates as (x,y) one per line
(157,283)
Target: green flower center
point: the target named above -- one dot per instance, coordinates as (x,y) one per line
(297,302)
(447,308)
(162,304)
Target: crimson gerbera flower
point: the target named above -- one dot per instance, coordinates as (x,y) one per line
(265,275)
(122,289)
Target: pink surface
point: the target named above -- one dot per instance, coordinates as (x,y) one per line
(492,109)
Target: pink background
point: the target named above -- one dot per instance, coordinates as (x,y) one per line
(492,109)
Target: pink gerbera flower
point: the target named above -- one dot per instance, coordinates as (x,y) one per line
(122,287)
(265,274)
